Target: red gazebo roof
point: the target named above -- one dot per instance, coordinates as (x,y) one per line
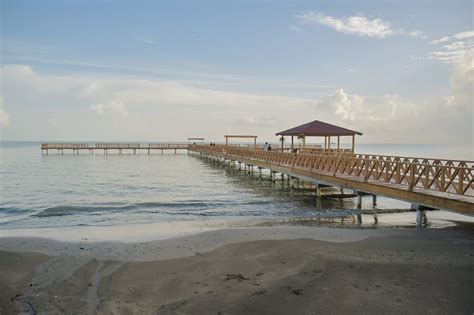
(318,128)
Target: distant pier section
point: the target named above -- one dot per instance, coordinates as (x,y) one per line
(106,148)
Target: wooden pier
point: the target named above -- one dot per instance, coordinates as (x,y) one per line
(106,148)
(426,183)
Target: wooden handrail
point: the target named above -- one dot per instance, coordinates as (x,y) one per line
(447,176)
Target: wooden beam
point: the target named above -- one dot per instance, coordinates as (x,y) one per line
(353,143)
(338,142)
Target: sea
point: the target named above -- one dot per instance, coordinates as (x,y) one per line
(57,195)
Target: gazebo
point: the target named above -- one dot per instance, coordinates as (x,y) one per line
(227,137)
(318,128)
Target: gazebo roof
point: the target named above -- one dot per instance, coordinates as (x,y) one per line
(318,128)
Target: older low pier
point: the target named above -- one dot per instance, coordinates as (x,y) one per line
(106,148)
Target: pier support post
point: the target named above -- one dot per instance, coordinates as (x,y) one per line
(359,208)
(318,196)
(421,218)
(273,177)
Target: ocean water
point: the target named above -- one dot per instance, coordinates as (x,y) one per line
(56,191)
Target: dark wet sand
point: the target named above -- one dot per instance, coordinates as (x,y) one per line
(426,272)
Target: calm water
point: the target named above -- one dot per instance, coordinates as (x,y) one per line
(38,191)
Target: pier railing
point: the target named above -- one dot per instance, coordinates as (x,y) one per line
(113,145)
(447,176)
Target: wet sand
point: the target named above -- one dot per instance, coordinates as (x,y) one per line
(273,270)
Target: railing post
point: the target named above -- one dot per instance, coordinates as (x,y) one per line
(411,182)
(366,175)
(460,189)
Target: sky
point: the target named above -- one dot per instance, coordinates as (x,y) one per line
(397,71)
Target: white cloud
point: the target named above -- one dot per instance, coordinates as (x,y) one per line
(441,40)
(130,109)
(355,25)
(456,48)
(4,116)
(355,107)
(462,35)
(390,118)
(462,82)
(111,108)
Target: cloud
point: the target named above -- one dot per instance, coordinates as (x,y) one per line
(392,119)
(111,108)
(4,116)
(130,108)
(462,82)
(257,121)
(145,40)
(455,48)
(162,110)
(355,25)
(356,107)
(462,35)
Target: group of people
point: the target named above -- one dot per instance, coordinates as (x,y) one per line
(267,146)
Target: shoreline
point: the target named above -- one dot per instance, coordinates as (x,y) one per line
(275,270)
(143,232)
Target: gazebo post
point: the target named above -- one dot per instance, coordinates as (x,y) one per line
(338,142)
(325,142)
(353,143)
(255,143)
(226,141)
(292,144)
(304,142)
(329,142)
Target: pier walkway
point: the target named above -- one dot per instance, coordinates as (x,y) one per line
(426,183)
(107,148)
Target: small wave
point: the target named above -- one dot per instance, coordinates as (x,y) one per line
(187,206)
(72,210)
(13,210)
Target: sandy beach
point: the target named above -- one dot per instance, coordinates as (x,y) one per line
(271,270)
